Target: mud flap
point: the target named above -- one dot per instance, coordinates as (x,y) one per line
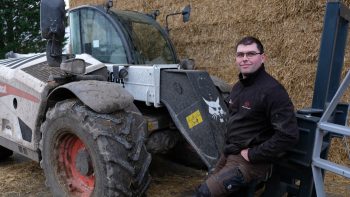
(197,109)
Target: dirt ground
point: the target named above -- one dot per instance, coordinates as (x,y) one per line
(22,177)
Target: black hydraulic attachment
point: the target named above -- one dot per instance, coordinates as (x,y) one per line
(197,109)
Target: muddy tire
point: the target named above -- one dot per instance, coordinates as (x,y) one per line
(5,153)
(90,154)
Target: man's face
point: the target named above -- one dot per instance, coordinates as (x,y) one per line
(248,58)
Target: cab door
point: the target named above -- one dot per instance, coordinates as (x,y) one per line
(92,32)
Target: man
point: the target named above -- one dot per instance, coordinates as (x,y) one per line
(262,124)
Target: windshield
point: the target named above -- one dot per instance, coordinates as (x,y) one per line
(149,43)
(92,33)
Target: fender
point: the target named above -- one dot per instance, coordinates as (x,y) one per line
(100,96)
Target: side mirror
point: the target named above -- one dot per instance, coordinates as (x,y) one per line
(186,12)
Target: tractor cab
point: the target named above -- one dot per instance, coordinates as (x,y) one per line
(119,37)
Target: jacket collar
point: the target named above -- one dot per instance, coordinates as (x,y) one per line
(249,80)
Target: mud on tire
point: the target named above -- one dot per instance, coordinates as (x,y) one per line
(90,154)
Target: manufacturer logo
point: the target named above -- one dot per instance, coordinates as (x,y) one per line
(216,111)
(246,105)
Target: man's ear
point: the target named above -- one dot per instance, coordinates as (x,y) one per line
(264,57)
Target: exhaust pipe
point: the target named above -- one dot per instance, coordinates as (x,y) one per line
(52,13)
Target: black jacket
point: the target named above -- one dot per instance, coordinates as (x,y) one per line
(261,118)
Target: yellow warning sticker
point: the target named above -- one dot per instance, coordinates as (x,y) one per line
(194,119)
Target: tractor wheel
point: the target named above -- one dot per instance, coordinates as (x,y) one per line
(90,154)
(5,153)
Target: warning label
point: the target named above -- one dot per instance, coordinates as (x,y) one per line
(194,119)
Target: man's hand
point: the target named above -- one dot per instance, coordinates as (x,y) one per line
(244,154)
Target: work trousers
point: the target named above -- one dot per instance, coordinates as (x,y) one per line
(233,172)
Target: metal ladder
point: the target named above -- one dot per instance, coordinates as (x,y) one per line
(319,164)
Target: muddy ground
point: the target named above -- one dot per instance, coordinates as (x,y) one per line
(21,177)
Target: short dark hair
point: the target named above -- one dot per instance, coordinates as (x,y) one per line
(250,40)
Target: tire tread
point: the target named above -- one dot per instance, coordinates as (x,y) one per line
(120,140)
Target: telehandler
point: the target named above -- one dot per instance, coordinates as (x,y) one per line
(88,116)
(93,117)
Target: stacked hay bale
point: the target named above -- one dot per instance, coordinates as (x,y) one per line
(290,29)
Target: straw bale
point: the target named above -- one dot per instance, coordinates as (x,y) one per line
(338,152)
(297,7)
(296,78)
(75,3)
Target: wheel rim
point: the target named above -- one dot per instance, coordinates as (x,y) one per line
(76,182)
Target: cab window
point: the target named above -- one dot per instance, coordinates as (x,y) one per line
(96,36)
(149,43)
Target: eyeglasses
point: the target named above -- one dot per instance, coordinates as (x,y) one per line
(249,54)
